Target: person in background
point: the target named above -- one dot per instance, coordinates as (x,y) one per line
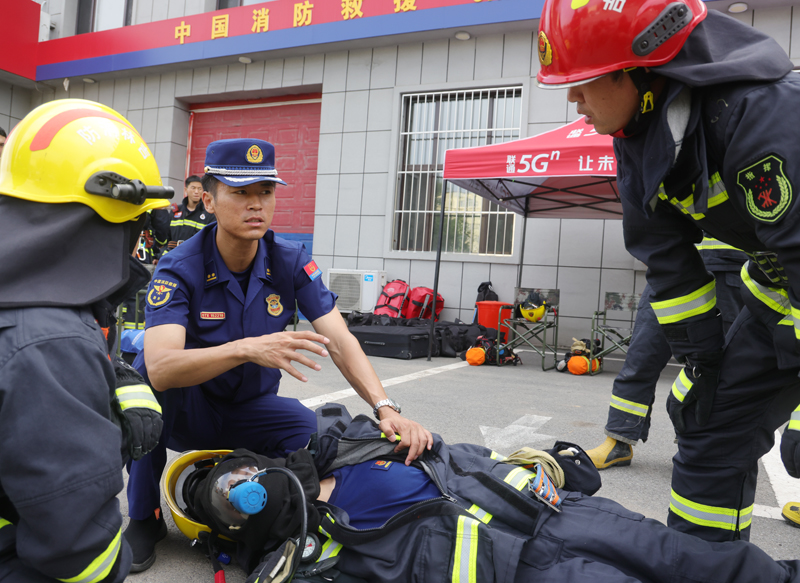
(191,215)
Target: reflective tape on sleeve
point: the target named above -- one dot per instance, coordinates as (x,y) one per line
(774,298)
(710,516)
(101,566)
(794,420)
(479,513)
(796,321)
(717,193)
(681,386)
(629,406)
(137,396)
(465,557)
(330,549)
(693,304)
(710,243)
(518,478)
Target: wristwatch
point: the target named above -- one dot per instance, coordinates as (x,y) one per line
(384,403)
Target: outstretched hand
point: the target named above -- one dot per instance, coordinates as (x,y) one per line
(281,350)
(413,435)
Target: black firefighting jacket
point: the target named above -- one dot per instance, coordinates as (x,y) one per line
(185,223)
(717,157)
(481,521)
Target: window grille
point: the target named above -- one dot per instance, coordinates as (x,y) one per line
(433,123)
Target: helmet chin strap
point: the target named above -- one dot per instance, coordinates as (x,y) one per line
(643,81)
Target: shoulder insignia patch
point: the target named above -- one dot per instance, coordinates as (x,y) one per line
(161,292)
(312,270)
(767,190)
(274,306)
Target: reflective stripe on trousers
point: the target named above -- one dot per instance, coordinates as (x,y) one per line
(629,406)
(710,516)
(101,566)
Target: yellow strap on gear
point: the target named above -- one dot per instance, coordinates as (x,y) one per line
(101,566)
(527,456)
(710,516)
(518,478)
(480,513)
(681,386)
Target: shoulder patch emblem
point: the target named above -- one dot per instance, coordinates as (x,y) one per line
(274,306)
(767,190)
(312,270)
(161,292)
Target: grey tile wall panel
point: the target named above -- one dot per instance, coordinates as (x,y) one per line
(218,79)
(378,147)
(135,117)
(183,83)
(90,92)
(541,276)
(273,74)
(330,153)
(5,98)
(340,262)
(473,275)
(397,269)
(547,105)
(346,241)
(254,75)
(177,161)
(461,61)
(332,113)
(176,8)
(488,54)
(569,328)
(616,280)
(581,242)
(380,110)
(384,67)
(164,124)
(324,262)
(151,88)
(434,61)
(200,80)
(160,9)
(76,90)
(421,273)
(136,96)
(327,194)
(161,151)
(370,238)
(143,12)
(614,252)
(313,68)
(579,287)
(324,231)
(177,185)
(450,277)
(5,122)
(776,21)
(293,72)
(180,126)
(350,188)
(640,282)
(149,125)
(356,105)
(744,17)
(535,129)
(359,63)
(542,239)
(194,7)
(504,279)
(334,77)
(36,99)
(374,200)
(122,90)
(517,55)
(106,96)
(235,77)
(794,47)
(409,65)
(371,263)
(353,150)
(61,93)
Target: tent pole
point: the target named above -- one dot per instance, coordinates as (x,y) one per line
(522,249)
(432,333)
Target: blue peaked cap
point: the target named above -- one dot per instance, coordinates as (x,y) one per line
(240,162)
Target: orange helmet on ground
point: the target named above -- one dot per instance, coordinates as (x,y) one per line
(581,40)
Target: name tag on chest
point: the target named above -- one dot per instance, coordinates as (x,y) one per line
(212,315)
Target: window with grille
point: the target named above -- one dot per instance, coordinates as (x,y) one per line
(433,123)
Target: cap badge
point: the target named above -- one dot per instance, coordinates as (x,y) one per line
(255,155)
(545,50)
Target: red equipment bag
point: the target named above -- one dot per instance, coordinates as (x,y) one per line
(420,301)
(393,299)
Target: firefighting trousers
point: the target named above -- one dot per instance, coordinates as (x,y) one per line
(715,469)
(634,388)
(597,540)
(269,424)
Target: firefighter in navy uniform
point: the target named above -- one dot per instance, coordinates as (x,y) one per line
(699,104)
(74,181)
(191,216)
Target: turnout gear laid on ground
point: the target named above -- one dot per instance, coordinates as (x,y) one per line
(714,159)
(185,223)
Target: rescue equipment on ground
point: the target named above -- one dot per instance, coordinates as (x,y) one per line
(576,360)
(393,299)
(485,351)
(420,304)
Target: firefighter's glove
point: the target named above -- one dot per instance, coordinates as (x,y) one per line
(790,451)
(137,410)
(695,388)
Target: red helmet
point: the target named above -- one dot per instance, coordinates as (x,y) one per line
(581,40)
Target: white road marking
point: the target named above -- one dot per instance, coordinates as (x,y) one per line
(786,488)
(344,394)
(522,432)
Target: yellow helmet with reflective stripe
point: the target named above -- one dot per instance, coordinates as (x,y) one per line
(73,150)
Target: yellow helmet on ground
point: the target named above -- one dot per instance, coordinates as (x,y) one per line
(74,150)
(171,486)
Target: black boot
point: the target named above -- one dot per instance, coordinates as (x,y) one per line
(142,536)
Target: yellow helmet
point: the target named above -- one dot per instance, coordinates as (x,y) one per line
(176,469)
(73,150)
(532,309)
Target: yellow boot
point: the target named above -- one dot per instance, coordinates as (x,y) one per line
(612,453)
(791,514)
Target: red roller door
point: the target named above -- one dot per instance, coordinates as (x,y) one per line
(291,123)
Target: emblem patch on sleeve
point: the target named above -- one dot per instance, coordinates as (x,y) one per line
(161,292)
(312,270)
(767,190)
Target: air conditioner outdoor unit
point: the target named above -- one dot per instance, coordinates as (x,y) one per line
(358,289)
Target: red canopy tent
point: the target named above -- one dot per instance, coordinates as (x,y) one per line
(569,172)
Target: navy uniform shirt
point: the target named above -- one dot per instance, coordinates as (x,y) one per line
(192,287)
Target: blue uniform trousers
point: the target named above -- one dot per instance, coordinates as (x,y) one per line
(634,388)
(597,540)
(268,424)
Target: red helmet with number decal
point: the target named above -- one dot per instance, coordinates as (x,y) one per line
(581,40)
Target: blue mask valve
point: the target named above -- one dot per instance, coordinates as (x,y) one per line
(248,497)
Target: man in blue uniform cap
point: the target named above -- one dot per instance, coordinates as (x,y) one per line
(214,341)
